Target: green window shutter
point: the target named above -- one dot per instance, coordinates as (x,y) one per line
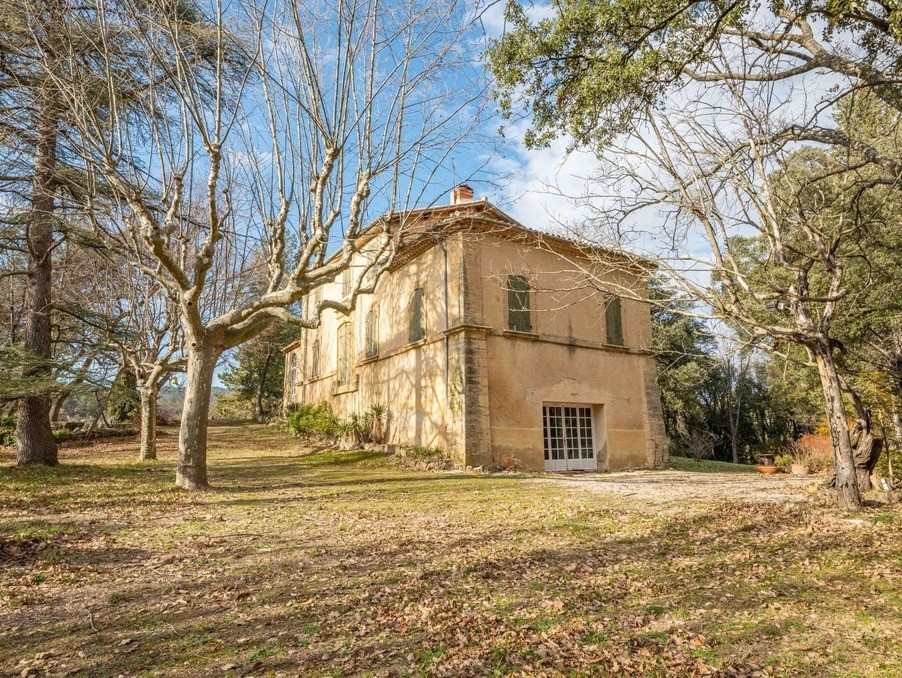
(613,321)
(519,315)
(372,325)
(417,324)
(314,360)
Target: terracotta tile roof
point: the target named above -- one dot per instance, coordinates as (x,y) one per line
(421,226)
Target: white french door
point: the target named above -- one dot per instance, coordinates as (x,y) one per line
(569,437)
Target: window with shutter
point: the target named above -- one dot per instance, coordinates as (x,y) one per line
(613,321)
(372,329)
(345,352)
(314,360)
(291,373)
(417,315)
(519,316)
(346,280)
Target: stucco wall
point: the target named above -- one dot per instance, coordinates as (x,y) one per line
(565,359)
(473,388)
(524,374)
(564,305)
(409,379)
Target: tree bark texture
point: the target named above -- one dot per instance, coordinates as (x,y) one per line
(866,449)
(846,481)
(34,433)
(192,463)
(148,393)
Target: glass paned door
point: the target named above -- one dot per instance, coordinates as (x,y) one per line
(569,437)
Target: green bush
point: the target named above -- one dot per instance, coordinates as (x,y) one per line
(312,420)
(8,430)
(421,453)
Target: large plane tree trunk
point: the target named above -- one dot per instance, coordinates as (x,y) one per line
(34,433)
(192,463)
(846,481)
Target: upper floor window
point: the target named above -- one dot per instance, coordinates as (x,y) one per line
(519,316)
(613,321)
(372,329)
(314,299)
(417,315)
(291,375)
(346,283)
(314,360)
(345,352)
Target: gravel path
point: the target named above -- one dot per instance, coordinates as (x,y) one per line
(663,487)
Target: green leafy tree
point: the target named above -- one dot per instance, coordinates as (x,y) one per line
(256,371)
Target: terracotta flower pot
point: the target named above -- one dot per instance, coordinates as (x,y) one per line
(767,469)
(800,469)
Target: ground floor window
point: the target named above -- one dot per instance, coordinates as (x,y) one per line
(569,437)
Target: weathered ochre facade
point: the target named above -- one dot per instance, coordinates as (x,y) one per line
(471,385)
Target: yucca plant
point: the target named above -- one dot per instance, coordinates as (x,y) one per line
(377,423)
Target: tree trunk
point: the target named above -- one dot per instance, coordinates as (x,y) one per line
(192,464)
(57,405)
(148,393)
(897,431)
(866,449)
(259,415)
(34,433)
(258,404)
(847,493)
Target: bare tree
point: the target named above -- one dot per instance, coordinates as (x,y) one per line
(757,232)
(139,321)
(312,119)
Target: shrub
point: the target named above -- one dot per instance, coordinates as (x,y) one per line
(815,451)
(377,423)
(421,453)
(8,430)
(312,420)
(784,461)
(699,445)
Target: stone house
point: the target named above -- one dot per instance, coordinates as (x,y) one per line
(484,339)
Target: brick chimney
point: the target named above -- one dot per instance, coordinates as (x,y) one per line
(461,194)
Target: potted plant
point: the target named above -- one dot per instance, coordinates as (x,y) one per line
(767,465)
(800,459)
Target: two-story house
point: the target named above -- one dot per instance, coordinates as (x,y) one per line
(487,339)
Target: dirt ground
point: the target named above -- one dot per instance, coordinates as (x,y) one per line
(674,487)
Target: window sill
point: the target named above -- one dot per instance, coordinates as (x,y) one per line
(617,347)
(369,359)
(519,334)
(414,344)
(350,387)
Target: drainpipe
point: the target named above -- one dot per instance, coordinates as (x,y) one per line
(441,244)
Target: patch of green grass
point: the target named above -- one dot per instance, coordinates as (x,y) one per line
(36,531)
(263,652)
(707,466)
(596,639)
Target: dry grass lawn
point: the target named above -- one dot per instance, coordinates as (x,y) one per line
(335,563)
